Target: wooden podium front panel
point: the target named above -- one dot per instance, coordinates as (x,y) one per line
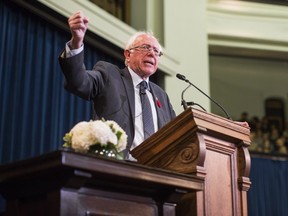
(103,203)
(221,179)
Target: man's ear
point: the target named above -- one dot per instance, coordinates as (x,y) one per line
(127,54)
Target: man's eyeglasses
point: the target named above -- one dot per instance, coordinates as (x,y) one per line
(148,48)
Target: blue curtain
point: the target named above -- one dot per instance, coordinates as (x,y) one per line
(35,109)
(268,195)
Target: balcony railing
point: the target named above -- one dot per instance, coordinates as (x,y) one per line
(117,8)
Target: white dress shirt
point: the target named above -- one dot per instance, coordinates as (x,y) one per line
(139,132)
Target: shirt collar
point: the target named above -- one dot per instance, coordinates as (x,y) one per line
(137,79)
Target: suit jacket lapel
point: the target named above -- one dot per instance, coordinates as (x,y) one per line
(128,84)
(129,88)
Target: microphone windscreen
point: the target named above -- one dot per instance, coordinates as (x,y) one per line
(180,76)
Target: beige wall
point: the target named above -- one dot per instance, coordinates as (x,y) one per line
(186,37)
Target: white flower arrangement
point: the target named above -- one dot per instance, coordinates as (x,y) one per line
(101,137)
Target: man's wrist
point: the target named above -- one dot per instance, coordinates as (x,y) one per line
(69,51)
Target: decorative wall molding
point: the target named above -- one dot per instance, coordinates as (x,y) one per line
(253,26)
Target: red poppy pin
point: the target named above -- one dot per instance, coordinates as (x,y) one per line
(158,103)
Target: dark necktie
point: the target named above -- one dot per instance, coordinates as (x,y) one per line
(148,124)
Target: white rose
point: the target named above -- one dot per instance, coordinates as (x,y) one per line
(122,142)
(102,132)
(82,137)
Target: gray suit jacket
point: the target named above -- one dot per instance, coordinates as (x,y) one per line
(112,92)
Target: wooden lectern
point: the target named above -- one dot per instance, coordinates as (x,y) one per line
(208,146)
(66,183)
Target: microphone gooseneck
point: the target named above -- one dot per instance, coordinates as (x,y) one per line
(182,77)
(183,102)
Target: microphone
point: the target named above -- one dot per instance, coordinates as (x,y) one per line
(183,102)
(182,77)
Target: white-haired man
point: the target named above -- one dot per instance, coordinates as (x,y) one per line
(114,91)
